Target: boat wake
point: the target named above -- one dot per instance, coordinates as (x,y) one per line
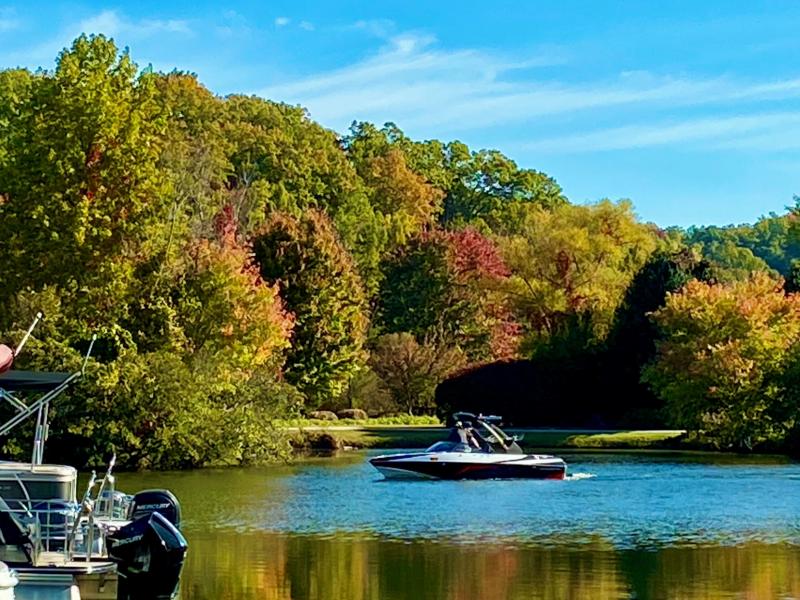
(579,476)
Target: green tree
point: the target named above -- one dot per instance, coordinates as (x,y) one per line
(411,370)
(83,192)
(770,244)
(281,160)
(365,233)
(320,286)
(194,157)
(574,261)
(15,89)
(445,286)
(487,183)
(720,365)
(631,343)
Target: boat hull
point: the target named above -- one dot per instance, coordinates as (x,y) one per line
(469,466)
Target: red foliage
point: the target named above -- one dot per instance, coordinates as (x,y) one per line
(475,269)
(474,255)
(226,226)
(506,334)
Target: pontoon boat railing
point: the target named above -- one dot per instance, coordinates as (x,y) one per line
(57,526)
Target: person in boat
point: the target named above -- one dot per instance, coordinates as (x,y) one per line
(477,441)
(458,434)
(467,436)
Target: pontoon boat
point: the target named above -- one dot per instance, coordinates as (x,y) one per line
(108,545)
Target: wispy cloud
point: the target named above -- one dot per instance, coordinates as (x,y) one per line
(413,82)
(107,22)
(232,24)
(407,77)
(306,25)
(282,21)
(112,23)
(381,28)
(717,132)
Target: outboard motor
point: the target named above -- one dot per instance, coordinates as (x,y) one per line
(150,550)
(160,501)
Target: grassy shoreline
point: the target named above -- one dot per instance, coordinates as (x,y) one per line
(344,436)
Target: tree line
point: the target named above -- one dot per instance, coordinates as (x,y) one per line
(241,263)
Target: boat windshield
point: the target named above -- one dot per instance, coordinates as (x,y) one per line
(451,447)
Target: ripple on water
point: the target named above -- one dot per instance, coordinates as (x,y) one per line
(626,500)
(630,501)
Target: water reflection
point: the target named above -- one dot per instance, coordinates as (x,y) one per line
(682,527)
(283,567)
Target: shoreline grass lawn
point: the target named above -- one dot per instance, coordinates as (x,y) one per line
(422,436)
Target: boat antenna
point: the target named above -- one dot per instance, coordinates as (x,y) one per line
(88,354)
(110,468)
(21,345)
(86,507)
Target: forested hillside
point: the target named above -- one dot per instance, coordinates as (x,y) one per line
(241,263)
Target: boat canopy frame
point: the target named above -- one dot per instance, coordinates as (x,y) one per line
(45,386)
(490,424)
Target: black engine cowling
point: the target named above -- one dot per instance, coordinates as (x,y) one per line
(150,550)
(160,501)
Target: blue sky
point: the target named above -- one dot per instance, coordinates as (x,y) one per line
(690,109)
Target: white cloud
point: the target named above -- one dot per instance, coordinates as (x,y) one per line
(232,24)
(282,21)
(741,132)
(413,82)
(109,22)
(308,26)
(381,28)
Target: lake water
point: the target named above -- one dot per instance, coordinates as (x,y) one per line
(622,526)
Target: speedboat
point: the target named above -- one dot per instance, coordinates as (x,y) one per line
(475,449)
(107,544)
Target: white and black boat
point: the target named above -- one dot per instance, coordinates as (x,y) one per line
(107,545)
(475,449)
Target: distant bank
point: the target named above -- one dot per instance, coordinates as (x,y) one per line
(339,437)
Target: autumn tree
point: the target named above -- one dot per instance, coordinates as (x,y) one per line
(479,187)
(720,365)
(317,280)
(395,201)
(226,311)
(444,286)
(111,179)
(572,264)
(83,192)
(408,203)
(411,370)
